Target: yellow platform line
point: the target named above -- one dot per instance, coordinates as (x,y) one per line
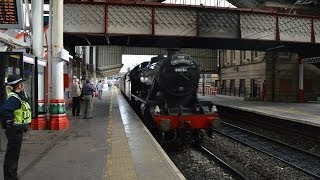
(119,164)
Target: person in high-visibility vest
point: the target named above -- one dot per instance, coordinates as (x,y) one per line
(16,116)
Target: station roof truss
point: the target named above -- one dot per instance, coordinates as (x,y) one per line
(281,3)
(312,60)
(311,7)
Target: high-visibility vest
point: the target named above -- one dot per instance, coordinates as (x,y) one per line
(22,115)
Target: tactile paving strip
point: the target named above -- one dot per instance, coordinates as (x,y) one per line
(119,160)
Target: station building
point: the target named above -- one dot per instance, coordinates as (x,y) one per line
(266,76)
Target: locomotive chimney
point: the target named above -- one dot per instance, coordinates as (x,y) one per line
(172,52)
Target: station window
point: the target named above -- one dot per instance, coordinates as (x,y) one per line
(224,87)
(29,77)
(242,87)
(216,83)
(243,57)
(254,91)
(233,57)
(9,64)
(223,57)
(232,87)
(255,55)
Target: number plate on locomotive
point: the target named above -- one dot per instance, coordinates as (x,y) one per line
(180,69)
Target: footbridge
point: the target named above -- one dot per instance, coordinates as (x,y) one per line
(169,25)
(127,27)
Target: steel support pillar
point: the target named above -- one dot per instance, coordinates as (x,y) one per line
(58,118)
(39,122)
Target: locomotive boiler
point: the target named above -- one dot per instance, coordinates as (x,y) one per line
(164,91)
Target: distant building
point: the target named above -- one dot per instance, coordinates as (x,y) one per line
(257,75)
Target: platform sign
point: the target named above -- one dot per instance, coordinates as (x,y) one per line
(65,55)
(11,12)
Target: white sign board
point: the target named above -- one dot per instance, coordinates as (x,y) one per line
(65,55)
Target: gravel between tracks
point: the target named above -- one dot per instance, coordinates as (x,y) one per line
(296,140)
(196,166)
(253,164)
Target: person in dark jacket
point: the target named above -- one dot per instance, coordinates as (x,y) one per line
(87,90)
(16,114)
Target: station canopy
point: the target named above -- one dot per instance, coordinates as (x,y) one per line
(311,7)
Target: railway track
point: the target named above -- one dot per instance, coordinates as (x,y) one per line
(286,135)
(289,131)
(235,174)
(276,124)
(297,158)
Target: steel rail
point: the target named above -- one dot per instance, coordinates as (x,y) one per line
(274,140)
(268,126)
(236,174)
(270,154)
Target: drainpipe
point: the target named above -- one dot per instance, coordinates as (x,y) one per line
(273,77)
(94,61)
(219,71)
(203,81)
(301,90)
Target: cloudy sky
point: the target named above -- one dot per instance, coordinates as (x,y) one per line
(130,61)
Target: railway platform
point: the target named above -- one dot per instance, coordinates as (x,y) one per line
(305,113)
(113,145)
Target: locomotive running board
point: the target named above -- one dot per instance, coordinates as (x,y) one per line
(143,100)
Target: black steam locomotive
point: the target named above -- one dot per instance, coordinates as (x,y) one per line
(164,90)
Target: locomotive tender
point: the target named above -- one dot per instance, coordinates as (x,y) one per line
(164,90)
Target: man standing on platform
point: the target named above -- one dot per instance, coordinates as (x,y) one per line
(87,90)
(76,97)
